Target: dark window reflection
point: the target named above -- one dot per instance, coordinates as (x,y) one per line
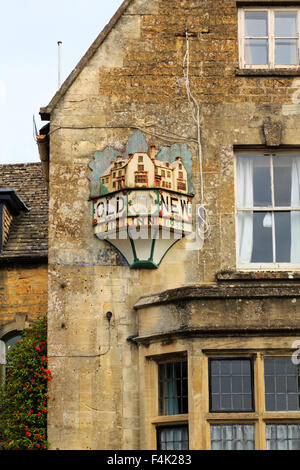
(173,388)
(231,385)
(262,238)
(11,341)
(283,236)
(281,384)
(282,180)
(262,194)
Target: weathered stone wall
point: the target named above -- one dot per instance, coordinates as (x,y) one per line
(23,291)
(135,80)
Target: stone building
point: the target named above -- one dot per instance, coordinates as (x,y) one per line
(23,248)
(196,353)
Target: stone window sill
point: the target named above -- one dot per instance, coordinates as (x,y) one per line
(268,72)
(267,3)
(258,276)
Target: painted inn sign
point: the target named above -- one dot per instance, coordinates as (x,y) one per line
(142,202)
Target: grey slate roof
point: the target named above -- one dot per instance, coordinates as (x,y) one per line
(28,235)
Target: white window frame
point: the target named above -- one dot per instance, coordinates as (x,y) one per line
(271,38)
(263,266)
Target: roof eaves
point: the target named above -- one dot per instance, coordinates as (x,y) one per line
(29,258)
(45,112)
(13,200)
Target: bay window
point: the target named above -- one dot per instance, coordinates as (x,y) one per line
(239,399)
(271,418)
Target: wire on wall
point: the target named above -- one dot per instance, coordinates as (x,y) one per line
(202,214)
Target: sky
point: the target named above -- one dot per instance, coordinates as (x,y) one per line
(29,32)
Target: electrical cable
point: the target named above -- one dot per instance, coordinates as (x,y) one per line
(203,227)
(171,137)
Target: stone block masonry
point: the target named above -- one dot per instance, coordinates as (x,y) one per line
(23,290)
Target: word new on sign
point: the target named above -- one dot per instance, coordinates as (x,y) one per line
(127,208)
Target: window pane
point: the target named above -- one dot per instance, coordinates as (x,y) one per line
(285,23)
(262,238)
(283,436)
(231,385)
(256,23)
(286,52)
(282,179)
(11,341)
(173,388)
(283,236)
(262,195)
(281,384)
(232,437)
(254,181)
(256,51)
(173,438)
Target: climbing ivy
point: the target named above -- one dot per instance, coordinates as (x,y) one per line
(23,398)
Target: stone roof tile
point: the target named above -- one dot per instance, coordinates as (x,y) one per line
(28,235)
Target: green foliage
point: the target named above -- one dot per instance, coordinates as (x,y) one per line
(23,400)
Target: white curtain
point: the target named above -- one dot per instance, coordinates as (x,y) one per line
(248,55)
(283,436)
(295,215)
(245,200)
(174,438)
(232,437)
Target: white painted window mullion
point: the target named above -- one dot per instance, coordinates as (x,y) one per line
(273,205)
(271,41)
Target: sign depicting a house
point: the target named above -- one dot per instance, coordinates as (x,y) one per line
(142,199)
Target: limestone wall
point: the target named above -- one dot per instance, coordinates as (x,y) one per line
(23,291)
(135,80)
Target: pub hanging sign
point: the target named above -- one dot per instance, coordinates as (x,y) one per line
(142,200)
